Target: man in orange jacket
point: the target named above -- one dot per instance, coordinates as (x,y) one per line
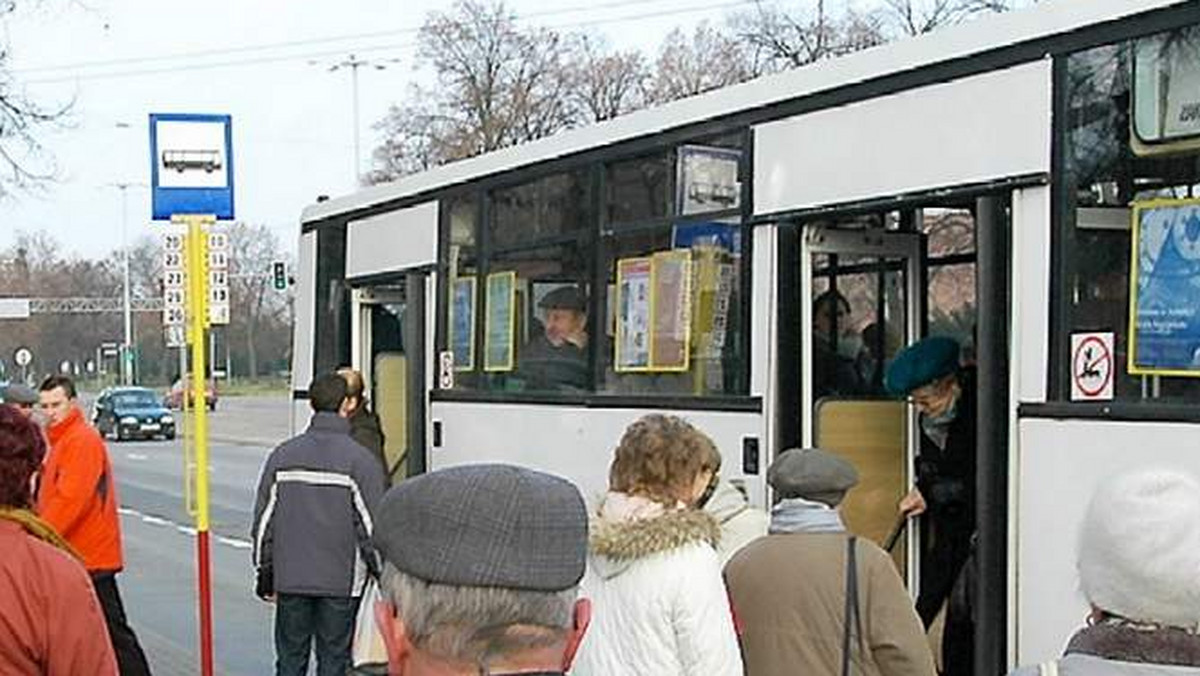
(78,497)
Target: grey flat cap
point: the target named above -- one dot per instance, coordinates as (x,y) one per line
(486,526)
(16,393)
(564,298)
(812,474)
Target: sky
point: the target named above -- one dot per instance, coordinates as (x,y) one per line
(264,62)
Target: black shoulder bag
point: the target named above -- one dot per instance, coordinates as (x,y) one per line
(853,622)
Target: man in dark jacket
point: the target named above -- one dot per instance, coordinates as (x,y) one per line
(364,423)
(557,359)
(929,374)
(313,520)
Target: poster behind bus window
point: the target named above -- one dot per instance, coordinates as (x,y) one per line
(633,317)
(672,292)
(462,323)
(498,328)
(1165,307)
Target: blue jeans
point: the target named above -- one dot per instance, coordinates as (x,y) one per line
(302,620)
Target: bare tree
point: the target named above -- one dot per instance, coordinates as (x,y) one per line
(607,83)
(916,17)
(252,248)
(498,84)
(780,40)
(708,59)
(24,162)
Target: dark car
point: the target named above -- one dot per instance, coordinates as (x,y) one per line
(132,413)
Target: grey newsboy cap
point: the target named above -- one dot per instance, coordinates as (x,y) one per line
(486,526)
(812,474)
(16,393)
(564,298)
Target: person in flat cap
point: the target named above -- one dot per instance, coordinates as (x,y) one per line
(929,374)
(22,397)
(809,589)
(481,567)
(556,358)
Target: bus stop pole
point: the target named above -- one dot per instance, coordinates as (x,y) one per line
(198,321)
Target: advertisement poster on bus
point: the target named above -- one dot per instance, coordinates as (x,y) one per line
(499,327)
(633,316)
(1165,288)
(462,323)
(671,283)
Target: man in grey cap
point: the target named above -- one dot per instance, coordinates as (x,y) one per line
(557,358)
(813,599)
(22,397)
(481,571)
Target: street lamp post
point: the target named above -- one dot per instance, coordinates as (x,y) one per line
(126,369)
(354,63)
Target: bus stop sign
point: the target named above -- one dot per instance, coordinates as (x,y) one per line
(191,165)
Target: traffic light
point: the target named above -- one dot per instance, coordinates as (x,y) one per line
(279,275)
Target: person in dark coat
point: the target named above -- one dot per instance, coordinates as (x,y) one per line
(557,359)
(365,427)
(929,374)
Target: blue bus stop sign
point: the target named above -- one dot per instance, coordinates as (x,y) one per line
(191,165)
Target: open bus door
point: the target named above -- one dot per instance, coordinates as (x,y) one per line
(862,301)
(388,341)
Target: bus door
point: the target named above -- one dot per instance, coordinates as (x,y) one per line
(861,301)
(386,328)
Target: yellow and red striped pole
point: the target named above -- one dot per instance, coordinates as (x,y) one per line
(197,281)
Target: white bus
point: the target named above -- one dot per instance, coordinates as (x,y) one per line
(978,182)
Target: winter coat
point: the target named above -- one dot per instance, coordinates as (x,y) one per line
(659,607)
(50,621)
(77,494)
(314,513)
(789,596)
(366,430)
(1118,650)
(740,523)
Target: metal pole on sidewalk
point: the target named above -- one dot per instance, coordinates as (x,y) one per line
(197,323)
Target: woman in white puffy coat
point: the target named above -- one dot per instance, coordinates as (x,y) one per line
(659,603)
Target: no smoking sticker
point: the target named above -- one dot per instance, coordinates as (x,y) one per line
(1092,366)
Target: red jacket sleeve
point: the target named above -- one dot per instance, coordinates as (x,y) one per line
(79,642)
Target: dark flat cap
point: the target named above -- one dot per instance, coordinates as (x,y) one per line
(486,526)
(564,298)
(922,363)
(812,474)
(16,393)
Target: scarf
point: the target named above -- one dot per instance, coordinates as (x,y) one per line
(797,515)
(38,529)
(1115,638)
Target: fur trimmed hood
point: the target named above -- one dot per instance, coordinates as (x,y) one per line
(628,541)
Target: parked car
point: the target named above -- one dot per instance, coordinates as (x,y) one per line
(182,387)
(131,413)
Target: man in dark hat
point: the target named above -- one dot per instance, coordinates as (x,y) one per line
(793,594)
(481,571)
(557,359)
(23,397)
(929,374)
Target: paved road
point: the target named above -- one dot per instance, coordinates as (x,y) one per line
(159,581)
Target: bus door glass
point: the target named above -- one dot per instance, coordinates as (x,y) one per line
(380,356)
(862,301)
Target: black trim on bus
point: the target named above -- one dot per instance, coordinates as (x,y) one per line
(1110,411)
(1093,35)
(1058,342)
(299,395)
(389,276)
(920,198)
(601,401)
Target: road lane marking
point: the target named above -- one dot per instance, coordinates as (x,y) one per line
(137,456)
(190,531)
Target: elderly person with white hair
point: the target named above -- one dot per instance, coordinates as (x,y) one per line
(1139,568)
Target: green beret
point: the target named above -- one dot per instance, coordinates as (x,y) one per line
(922,363)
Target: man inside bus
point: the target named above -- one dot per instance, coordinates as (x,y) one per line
(557,359)
(930,375)
(835,347)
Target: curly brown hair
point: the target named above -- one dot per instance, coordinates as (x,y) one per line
(659,457)
(22,448)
